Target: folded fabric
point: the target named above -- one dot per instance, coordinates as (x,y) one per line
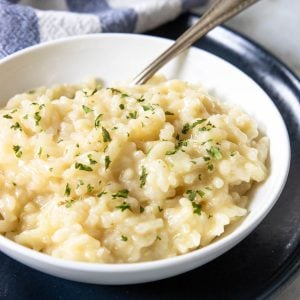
(28,22)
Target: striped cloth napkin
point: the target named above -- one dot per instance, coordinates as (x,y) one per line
(27,22)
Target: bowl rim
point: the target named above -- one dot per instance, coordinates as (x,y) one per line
(225,242)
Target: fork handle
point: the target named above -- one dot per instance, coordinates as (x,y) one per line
(218,13)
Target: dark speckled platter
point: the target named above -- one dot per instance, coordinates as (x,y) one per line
(260,265)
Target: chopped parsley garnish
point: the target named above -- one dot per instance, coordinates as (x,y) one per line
(148,107)
(206,158)
(92,161)
(116,91)
(40,152)
(7,117)
(121,194)
(132,115)
(214,152)
(201,193)
(17,150)
(50,169)
(82,167)
(16,126)
(107,161)
(101,194)
(105,135)
(207,127)
(97,121)
(67,190)
(89,92)
(171,152)
(167,113)
(178,147)
(203,143)
(141,99)
(233,153)
(191,195)
(142,209)
(69,203)
(89,188)
(122,106)
(186,128)
(210,167)
(25,117)
(37,118)
(86,109)
(160,209)
(158,238)
(124,238)
(124,206)
(197,208)
(143,177)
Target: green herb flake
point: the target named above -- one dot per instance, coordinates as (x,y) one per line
(98,121)
(92,161)
(124,238)
(83,167)
(158,238)
(141,99)
(121,194)
(17,150)
(101,194)
(167,113)
(148,107)
(198,122)
(69,203)
(142,209)
(107,162)
(7,116)
(105,135)
(89,188)
(185,129)
(143,177)
(201,193)
(191,195)
(233,153)
(37,118)
(210,167)
(25,117)
(171,152)
(89,92)
(122,106)
(16,126)
(124,206)
(50,169)
(197,208)
(67,190)
(40,152)
(86,109)
(160,209)
(214,152)
(206,158)
(132,115)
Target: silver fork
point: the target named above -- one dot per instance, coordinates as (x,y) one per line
(218,13)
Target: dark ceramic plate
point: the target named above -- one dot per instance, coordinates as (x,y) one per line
(256,268)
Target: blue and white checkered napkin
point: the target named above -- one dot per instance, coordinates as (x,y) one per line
(27,22)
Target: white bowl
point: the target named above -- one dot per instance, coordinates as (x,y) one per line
(120,56)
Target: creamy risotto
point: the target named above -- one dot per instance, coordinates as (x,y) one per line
(124,174)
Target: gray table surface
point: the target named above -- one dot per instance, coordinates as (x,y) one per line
(275,24)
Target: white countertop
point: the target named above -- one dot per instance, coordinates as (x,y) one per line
(275,24)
